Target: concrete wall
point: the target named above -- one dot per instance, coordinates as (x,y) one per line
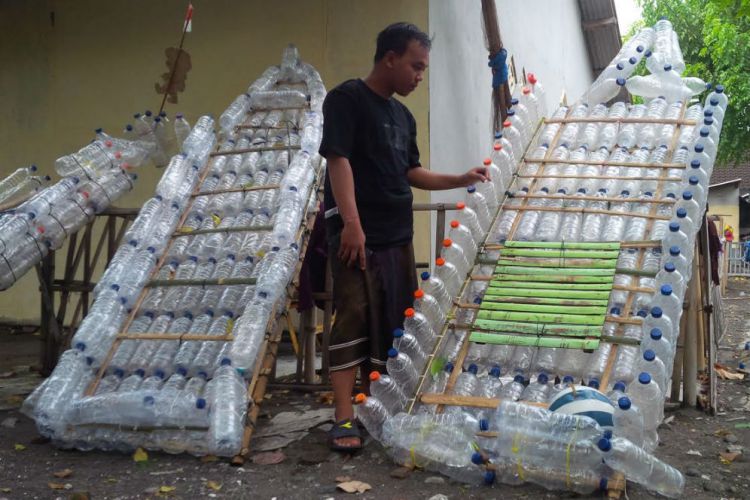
(724,200)
(543,36)
(96,64)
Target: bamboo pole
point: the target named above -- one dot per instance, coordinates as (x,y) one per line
(607,119)
(690,343)
(594,211)
(172,336)
(237,190)
(241,229)
(535,244)
(607,163)
(570,197)
(275,147)
(201,283)
(601,177)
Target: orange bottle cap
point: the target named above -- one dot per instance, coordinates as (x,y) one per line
(447,242)
(360,398)
(460,205)
(487,161)
(440,261)
(497,147)
(455,224)
(507,123)
(418,294)
(526,91)
(374,375)
(409,312)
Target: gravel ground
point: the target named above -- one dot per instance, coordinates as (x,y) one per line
(692,441)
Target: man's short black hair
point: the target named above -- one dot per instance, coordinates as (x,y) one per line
(397,36)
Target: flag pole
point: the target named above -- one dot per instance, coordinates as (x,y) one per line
(185,28)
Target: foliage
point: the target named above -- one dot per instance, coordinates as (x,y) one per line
(715,40)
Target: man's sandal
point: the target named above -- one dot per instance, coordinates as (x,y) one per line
(346,428)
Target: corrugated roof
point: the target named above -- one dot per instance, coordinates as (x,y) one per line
(729,173)
(601,32)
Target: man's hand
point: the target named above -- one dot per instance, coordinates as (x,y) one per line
(352,246)
(476,174)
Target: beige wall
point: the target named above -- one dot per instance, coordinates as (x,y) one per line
(724,200)
(98,63)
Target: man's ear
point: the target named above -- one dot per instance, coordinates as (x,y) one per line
(390,59)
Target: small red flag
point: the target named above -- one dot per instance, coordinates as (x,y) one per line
(188,26)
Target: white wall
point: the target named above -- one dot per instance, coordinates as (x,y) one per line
(544,36)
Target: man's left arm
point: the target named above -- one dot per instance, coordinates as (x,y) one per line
(420,177)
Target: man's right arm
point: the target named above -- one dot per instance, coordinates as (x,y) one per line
(352,246)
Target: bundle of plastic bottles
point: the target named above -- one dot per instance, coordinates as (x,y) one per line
(531,443)
(246,209)
(42,223)
(21,184)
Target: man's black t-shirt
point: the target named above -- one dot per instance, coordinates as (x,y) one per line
(379,138)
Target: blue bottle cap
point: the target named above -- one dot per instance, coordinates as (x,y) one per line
(200,403)
(647,53)
(511,112)
(473,368)
(633,60)
(644,378)
(594,383)
(81,346)
(398,333)
(476,458)
(696,163)
(699,148)
(666,289)
(708,121)
(471,189)
(129,127)
(494,371)
(693,180)
(674,227)
(714,101)
(119,373)
(604,444)
(667,67)
(425,276)
(514,101)
(489,477)
(484,424)
(656,333)
(159,373)
(669,267)
(624,403)
(649,355)
(681,212)
(619,386)
(518,379)
(181,370)
(542,378)
(392,353)
(656,312)
(687,195)
(568,379)
(719,89)
(140,372)
(226,362)
(615,311)
(603,484)
(607,434)
(148,400)
(448,367)
(639,48)
(704,131)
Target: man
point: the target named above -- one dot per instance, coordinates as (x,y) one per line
(369,142)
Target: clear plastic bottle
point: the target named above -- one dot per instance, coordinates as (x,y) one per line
(448,274)
(538,91)
(467,383)
(637,465)
(454,254)
(609,131)
(228,409)
(651,364)
(371,413)
(514,389)
(430,308)
(188,349)
(648,397)
(537,391)
(402,371)
(407,343)
(514,136)
(434,286)
(181,129)
(604,90)
(387,392)
(628,131)
(550,221)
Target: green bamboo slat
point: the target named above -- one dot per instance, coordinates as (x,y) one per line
(573,319)
(557,286)
(563,244)
(544,308)
(560,253)
(579,263)
(560,271)
(544,300)
(561,294)
(537,329)
(490,338)
(552,278)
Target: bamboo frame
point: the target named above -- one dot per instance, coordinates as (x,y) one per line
(594,211)
(275,147)
(180,233)
(237,190)
(607,163)
(200,283)
(605,119)
(571,197)
(599,177)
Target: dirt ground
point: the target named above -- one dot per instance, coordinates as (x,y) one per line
(692,441)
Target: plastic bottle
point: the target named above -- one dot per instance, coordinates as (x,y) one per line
(387,392)
(228,408)
(504,162)
(608,134)
(648,397)
(628,131)
(651,364)
(537,391)
(371,413)
(656,342)
(402,371)
(603,91)
(418,325)
(513,390)
(181,129)
(538,91)
(454,254)
(514,136)
(639,466)
(448,274)
(669,275)
(407,343)
(467,383)
(430,308)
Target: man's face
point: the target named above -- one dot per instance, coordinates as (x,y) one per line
(407,70)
